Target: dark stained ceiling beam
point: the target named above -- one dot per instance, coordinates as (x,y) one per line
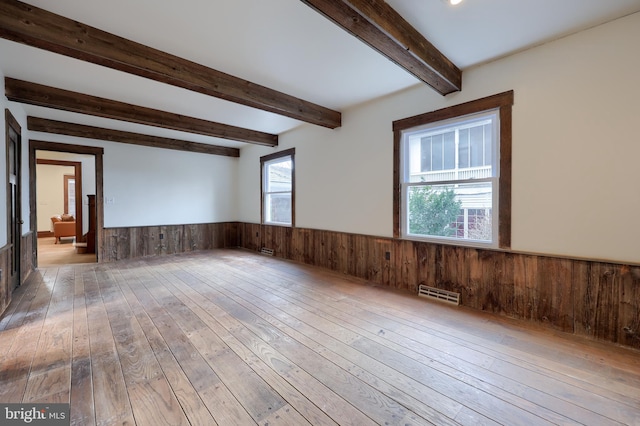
(70,129)
(23,23)
(51,97)
(381,27)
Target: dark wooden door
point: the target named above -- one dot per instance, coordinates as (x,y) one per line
(14,203)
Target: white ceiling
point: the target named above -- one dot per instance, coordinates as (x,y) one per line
(287,46)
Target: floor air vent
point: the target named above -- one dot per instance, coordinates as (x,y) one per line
(266,251)
(437,294)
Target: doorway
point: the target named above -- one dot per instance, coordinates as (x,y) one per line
(87,180)
(14,198)
(53,180)
(62,183)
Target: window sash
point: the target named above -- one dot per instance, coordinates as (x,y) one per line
(464,173)
(278,189)
(466,238)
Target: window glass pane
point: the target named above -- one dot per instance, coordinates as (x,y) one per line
(12,157)
(463,148)
(425,154)
(460,211)
(279,176)
(476,146)
(277,193)
(436,152)
(432,210)
(449,151)
(488,157)
(278,208)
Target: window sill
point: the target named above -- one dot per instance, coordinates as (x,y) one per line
(452,242)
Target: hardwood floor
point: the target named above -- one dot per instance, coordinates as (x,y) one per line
(231,337)
(63,253)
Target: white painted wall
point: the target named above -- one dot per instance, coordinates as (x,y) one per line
(150,186)
(575,149)
(50,193)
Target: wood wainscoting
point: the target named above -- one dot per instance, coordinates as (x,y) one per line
(589,298)
(5,290)
(137,242)
(27,266)
(28,256)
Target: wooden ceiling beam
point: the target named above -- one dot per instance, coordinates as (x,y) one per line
(51,97)
(23,23)
(82,131)
(381,27)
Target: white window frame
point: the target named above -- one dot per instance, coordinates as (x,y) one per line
(442,126)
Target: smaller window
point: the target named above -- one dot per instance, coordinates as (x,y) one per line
(278,188)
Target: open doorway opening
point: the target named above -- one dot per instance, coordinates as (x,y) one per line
(64,182)
(66,207)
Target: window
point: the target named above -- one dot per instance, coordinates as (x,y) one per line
(278,186)
(453,174)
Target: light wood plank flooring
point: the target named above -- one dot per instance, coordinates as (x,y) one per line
(231,337)
(63,253)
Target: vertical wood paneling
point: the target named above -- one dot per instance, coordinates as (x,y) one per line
(5,291)
(408,271)
(606,301)
(376,253)
(230,231)
(588,298)
(490,284)
(583,296)
(629,290)
(524,282)
(342,252)
(249,237)
(142,242)
(190,240)
(137,242)
(357,256)
(161,244)
(26,267)
(386,277)
(562,301)
(27,253)
(173,238)
(425,264)
(320,249)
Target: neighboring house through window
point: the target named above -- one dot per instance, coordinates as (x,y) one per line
(453,174)
(278,188)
